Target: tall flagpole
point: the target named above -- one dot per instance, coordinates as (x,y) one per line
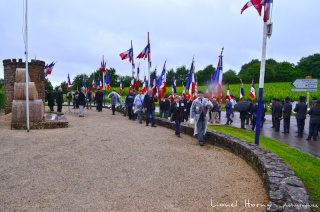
(27,70)
(149,61)
(261,80)
(132,63)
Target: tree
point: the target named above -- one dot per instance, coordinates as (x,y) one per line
(310,66)
(77,81)
(47,85)
(286,72)
(181,75)
(170,75)
(203,76)
(1,83)
(230,77)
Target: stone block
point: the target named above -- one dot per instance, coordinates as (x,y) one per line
(20,91)
(21,75)
(36,111)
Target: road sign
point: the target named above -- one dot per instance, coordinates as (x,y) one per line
(304,90)
(306,83)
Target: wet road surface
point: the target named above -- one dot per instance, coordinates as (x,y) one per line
(309,147)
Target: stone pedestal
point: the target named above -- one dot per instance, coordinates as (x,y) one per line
(36,111)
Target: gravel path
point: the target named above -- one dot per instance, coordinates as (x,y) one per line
(108,163)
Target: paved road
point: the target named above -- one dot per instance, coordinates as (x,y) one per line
(310,147)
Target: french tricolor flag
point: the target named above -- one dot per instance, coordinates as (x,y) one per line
(127,54)
(144,53)
(191,85)
(256,3)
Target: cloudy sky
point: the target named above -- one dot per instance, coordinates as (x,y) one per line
(76,33)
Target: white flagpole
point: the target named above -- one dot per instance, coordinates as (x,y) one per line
(27,70)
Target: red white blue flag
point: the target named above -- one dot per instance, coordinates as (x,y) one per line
(228,96)
(103,65)
(174,86)
(93,85)
(252,91)
(241,90)
(48,68)
(144,53)
(99,83)
(191,85)
(127,54)
(68,84)
(217,81)
(162,81)
(256,3)
(107,81)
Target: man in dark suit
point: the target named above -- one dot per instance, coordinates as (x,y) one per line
(277,114)
(99,99)
(287,108)
(301,110)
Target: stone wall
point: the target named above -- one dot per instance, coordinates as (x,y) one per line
(285,190)
(36,68)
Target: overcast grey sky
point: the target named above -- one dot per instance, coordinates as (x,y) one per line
(78,33)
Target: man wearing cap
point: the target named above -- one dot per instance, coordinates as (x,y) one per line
(287,108)
(199,114)
(176,109)
(301,110)
(138,101)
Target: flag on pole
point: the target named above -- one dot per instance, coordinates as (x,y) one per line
(174,85)
(191,82)
(228,96)
(144,53)
(217,82)
(138,79)
(256,3)
(183,90)
(145,84)
(99,83)
(252,91)
(241,90)
(267,6)
(153,82)
(162,82)
(132,84)
(85,85)
(107,82)
(93,85)
(103,65)
(121,86)
(127,54)
(48,68)
(68,83)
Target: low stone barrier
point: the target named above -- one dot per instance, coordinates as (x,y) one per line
(285,190)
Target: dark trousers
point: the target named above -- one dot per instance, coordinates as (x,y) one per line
(286,125)
(200,127)
(59,107)
(99,107)
(185,115)
(313,130)
(243,123)
(150,113)
(177,126)
(229,120)
(277,124)
(300,123)
(130,112)
(273,120)
(113,109)
(88,104)
(249,119)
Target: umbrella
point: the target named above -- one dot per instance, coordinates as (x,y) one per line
(112,93)
(241,106)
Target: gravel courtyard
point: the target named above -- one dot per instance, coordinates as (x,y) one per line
(108,163)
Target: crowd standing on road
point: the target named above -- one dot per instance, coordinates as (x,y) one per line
(201,110)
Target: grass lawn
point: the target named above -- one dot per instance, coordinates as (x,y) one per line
(306,167)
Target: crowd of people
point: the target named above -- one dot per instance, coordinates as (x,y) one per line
(200,110)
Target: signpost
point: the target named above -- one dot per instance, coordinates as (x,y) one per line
(305,85)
